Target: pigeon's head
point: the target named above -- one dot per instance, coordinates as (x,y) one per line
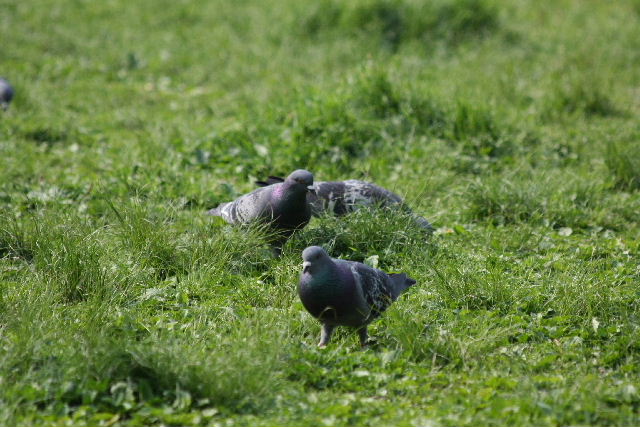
(302,178)
(312,258)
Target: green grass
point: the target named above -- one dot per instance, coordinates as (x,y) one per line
(511,125)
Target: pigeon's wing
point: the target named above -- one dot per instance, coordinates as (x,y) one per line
(358,193)
(270,181)
(342,197)
(399,282)
(245,208)
(424,223)
(223,211)
(379,288)
(361,193)
(329,197)
(274,179)
(374,287)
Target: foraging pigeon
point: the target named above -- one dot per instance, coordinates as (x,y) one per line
(284,205)
(6,94)
(346,293)
(342,197)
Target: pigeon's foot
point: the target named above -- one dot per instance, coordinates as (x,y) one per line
(325,336)
(370,343)
(364,336)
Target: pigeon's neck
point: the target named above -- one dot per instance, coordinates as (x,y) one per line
(325,276)
(329,279)
(290,194)
(290,199)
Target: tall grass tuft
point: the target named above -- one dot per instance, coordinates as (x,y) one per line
(326,130)
(623,161)
(199,363)
(476,128)
(374,93)
(17,237)
(393,22)
(584,96)
(444,339)
(150,239)
(532,197)
(70,257)
(389,233)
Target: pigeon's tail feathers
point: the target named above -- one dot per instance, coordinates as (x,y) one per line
(270,181)
(400,282)
(214,211)
(222,210)
(422,222)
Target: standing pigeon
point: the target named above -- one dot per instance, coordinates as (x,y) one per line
(6,94)
(346,293)
(284,205)
(342,197)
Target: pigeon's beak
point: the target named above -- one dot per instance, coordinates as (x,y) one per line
(306,266)
(311,189)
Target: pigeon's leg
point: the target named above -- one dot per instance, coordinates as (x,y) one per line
(325,335)
(364,336)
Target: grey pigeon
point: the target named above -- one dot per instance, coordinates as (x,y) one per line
(342,197)
(283,205)
(6,94)
(346,293)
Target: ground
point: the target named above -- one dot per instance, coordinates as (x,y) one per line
(511,125)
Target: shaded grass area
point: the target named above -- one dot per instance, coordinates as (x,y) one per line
(391,23)
(511,126)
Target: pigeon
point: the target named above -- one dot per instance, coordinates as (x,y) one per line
(6,94)
(346,293)
(342,197)
(283,205)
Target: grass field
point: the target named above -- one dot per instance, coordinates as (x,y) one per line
(511,125)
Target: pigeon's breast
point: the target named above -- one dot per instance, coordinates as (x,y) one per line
(290,210)
(333,299)
(337,300)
